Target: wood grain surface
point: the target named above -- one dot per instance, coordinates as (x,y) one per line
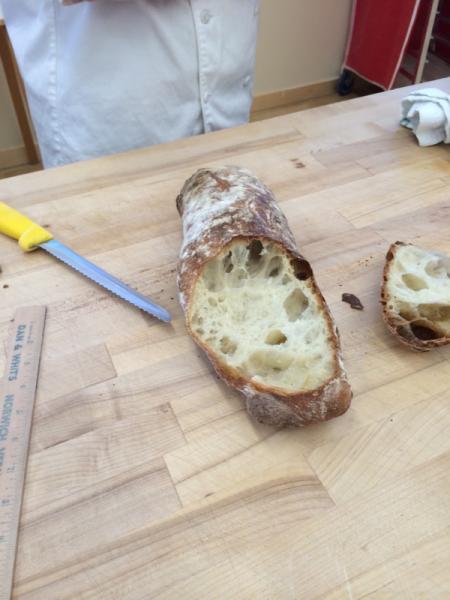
(146,478)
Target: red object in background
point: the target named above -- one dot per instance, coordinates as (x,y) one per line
(441,32)
(417,38)
(379,34)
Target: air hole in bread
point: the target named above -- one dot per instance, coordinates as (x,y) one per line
(435,312)
(212,301)
(228,263)
(302,270)
(407,314)
(255,258)
(262,362)
(275,337)
(213,277)
(295,304)
(422,331)
(237,278)
(286,279)
(413,282)
(227,346)
(255,249)
(274,266)
(435,269)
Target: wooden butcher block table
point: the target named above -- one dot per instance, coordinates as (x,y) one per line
(146,477)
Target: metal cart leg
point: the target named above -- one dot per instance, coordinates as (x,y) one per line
(345,83)
(426,42)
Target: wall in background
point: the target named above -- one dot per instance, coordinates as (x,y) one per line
(300,42)
(9,130)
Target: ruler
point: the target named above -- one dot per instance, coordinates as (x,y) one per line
(17,393)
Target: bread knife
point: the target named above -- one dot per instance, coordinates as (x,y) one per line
(32,236)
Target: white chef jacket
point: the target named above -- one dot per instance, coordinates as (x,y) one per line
(112,75)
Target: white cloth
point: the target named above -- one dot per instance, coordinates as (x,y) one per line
(110,75)
(427,113)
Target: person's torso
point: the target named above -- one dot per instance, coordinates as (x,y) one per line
(116,74)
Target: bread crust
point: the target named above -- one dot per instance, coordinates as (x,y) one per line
(227,204)
(397,325)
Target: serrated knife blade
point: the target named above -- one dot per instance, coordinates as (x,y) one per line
(32,236)
(101,277)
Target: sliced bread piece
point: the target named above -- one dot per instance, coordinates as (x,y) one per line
(251,302)
(416,296)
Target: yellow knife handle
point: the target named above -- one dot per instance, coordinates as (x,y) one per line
(21,228)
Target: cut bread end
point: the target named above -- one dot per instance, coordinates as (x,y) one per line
(416,296)
(257,313)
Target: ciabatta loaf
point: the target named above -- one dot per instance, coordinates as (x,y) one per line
(416,296)
(252,304)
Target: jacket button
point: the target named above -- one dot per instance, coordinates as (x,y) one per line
(205,16)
